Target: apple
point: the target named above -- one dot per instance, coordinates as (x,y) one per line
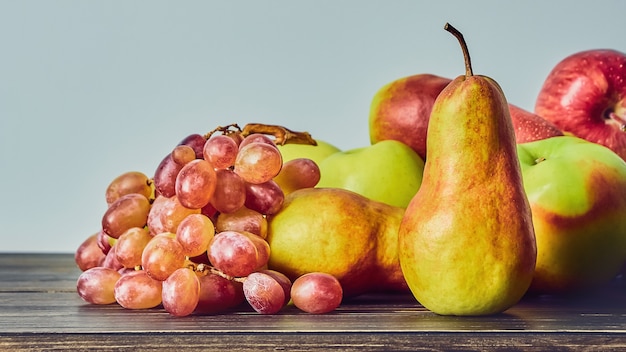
(388,171)
(316,153)
(530,127)
(577,194)
(585,95)
(400,110)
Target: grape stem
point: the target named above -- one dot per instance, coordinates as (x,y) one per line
(207,269)
(282,135)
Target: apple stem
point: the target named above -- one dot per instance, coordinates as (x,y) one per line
(468,62)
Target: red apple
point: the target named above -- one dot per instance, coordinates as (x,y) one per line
(585,95)
(531,127)
(400,110)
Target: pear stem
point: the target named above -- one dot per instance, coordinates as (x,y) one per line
(468,62)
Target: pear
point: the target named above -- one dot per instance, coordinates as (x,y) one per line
(341,233)
(466,241)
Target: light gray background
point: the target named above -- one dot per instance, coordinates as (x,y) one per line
(91,89)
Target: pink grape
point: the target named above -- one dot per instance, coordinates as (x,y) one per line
(130,246)
(230,191)
(218,294)
(166,214)
(316,293)
(241,220)
(165,176)
(162,256)
(182,154)
(266,198)
(221,151)
(196,142)
(111,261)
(104,242)
(297,174)
(210,212)
(262,247)
(137,290)
(88,254)
(127,183)
(181,292)
(196,183)
(130,210)
(233,253)
(264,294)
(282,279)
(194,234)
(96,285)
(256,138)
(258,162)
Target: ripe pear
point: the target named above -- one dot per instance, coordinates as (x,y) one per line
(466,241)
(341,233)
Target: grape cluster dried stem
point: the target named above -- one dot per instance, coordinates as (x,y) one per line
(282,135)
(208,269)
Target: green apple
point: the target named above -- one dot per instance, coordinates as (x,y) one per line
(577,195)
(316,153)
(388,171)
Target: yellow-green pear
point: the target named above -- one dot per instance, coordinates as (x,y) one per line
(387,171)
(341,233)
(466,241)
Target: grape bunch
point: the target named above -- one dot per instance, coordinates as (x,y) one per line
(191,239)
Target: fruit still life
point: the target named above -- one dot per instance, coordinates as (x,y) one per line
(462,199)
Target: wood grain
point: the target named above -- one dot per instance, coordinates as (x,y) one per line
(40,310)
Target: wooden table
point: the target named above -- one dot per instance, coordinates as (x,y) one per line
(40,311)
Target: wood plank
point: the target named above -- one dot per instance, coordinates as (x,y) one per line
(40,310)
